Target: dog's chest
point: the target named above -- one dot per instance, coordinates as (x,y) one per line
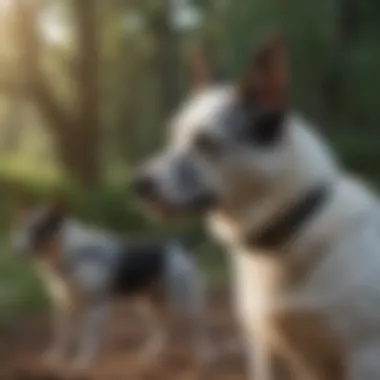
(304,338)
(63,292)
(307,344)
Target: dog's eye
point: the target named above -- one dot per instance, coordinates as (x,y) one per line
(208,145)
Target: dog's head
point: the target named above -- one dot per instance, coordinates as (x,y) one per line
(227,143)
(36,227)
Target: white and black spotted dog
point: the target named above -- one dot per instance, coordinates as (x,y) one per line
(83,269)
(303,236)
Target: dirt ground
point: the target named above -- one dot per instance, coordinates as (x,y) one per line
(21,347)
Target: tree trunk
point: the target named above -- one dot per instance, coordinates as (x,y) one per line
(87,119)
(166,59)
(77,136)
(346,29)
(14,123)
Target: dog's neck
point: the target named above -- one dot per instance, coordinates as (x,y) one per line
(235,227)
(310,164)
(50,253)
(349,201)
(281,270)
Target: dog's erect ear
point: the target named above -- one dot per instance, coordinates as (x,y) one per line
(199,65)
(267,79)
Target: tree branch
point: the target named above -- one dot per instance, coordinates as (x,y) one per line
(88,60)
(36,83)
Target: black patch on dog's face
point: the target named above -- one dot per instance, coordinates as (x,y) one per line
(36,227)
(262,126)
(267,128)
(42,225)
(45,229)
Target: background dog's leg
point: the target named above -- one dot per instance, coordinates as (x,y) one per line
(155,317)
(186,293)
(62,333)
(62,315)
(94,318)
(201,340)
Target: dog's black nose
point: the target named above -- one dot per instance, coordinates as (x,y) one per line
(143,185)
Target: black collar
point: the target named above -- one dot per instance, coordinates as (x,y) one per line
(286,225)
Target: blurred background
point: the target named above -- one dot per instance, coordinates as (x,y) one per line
(86,87)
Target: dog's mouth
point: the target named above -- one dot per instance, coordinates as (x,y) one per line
(165,206)
(193,206)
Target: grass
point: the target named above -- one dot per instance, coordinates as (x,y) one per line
(20,289)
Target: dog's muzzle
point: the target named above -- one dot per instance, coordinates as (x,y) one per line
(146,188)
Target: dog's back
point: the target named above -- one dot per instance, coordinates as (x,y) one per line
(123,265)
(138,266)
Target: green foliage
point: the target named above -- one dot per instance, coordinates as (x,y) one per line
(335,62)
(20,289)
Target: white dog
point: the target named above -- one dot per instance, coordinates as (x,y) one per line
(303,236)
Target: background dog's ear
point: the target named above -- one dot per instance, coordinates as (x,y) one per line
(267,79)
(199,63)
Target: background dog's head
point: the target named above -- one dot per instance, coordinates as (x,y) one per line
(227,143)
(36,226)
